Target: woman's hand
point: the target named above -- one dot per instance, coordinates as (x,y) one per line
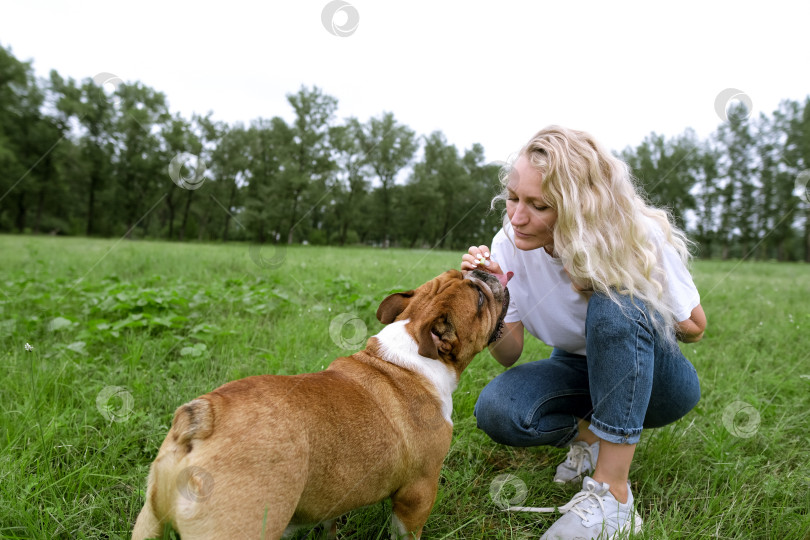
(508,348)
(478,257)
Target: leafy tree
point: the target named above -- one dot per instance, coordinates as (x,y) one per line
(140,164)
(349,184)
(92,111)
(483,221)
(739,210)
(797,154)
(779,204)
(230,165)
(441,195)
(42,137)
(388,147)
(666,171)
(307,157)
(706,193)
(180,143)
(27,140)
(264,215)
(420,216)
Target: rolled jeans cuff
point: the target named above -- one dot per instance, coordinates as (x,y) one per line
(613,434)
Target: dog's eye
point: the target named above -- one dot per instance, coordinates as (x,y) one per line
(480,298)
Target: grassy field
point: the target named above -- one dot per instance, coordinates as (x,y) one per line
(124,332)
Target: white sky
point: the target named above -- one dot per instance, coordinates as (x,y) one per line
(485,72)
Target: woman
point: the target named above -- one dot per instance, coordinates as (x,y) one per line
(601,277)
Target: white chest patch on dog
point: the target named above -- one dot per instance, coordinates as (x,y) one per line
(398,347)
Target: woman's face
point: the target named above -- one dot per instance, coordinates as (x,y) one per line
(531,218)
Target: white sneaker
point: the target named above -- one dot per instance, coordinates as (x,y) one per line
(581,460)
(594,513)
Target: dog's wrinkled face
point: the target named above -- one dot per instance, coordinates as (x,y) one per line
(460,313)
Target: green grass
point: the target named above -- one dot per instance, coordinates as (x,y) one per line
(124,332)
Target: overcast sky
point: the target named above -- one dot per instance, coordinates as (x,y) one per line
(486,72)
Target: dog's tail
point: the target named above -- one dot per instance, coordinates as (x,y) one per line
(194,420)
(173,480)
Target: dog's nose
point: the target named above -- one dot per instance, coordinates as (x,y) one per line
(503,279)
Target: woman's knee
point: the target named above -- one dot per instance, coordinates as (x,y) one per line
(521,408)
(675,402)
(492,414)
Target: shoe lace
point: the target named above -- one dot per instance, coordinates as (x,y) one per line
(578,505)
(576,457)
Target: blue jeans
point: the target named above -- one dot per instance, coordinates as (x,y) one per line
(631,379)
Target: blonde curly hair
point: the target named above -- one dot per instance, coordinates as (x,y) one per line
(604,229)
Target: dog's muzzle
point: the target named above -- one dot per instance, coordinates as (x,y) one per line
(497,283)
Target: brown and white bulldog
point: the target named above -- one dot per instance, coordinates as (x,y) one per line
(264,455)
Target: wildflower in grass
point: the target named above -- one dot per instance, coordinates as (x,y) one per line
(29,347)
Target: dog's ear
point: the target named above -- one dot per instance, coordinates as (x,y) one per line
(428,342)
(392,306)
(437,337)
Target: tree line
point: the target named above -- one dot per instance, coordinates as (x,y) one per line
(101,157)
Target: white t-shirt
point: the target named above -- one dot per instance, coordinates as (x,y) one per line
(542,298)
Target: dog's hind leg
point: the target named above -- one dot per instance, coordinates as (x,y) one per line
(412,506)
(236,514)
(147,525)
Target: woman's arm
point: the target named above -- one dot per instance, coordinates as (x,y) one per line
(691,330)
(507,349)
